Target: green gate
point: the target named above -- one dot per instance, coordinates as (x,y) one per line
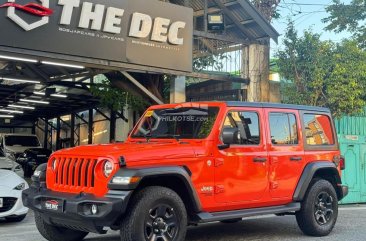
(353,148)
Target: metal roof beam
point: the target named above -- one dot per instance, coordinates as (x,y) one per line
(230,15)
(37,71)
(213,9)
(224,38)
(142,88)
(260,19)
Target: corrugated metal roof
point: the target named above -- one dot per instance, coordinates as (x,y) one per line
(238,12)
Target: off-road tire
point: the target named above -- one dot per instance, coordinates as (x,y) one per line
(55,233)
(313,216)
(16,219)
(144,210)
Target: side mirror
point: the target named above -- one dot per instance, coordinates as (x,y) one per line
(230,136)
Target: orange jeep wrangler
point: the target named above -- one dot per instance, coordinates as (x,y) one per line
(192,163)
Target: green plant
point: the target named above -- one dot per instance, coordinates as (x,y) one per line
(115,98)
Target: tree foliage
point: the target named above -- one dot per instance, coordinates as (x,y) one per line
(348,17)
(115,98)
(322,73)
(267,7)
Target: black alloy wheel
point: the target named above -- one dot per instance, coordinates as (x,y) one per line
(323,208)
(161,224)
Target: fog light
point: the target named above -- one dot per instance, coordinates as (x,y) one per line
(94,209)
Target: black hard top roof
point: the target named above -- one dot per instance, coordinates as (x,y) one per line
(276,105)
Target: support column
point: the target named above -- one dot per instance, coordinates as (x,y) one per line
(45,138)
(112,127)
(90,127)
(72,127)
(58,133)
(178,90)
(258,73)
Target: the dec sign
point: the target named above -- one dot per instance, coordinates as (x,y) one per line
(161,29)
(149,33)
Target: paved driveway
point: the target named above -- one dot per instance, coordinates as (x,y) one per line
(351,226)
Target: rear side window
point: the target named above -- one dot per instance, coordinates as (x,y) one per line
(283,129)
(318,130)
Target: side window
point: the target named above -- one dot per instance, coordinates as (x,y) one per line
(247,123)
(318,130)
(283,129)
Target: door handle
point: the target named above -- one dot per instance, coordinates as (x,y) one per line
(295,158)
(259,159)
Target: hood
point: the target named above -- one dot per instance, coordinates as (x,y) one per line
(135,151)
(6,163)
(9,179)
(17,149)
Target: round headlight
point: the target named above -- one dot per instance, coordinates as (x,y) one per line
(54,164)
(107,168)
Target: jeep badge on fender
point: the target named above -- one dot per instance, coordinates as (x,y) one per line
(194,163)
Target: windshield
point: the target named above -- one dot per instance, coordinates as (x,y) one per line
(31,141)
(179,123)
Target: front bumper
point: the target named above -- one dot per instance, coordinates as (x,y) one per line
(16,208)
(75,210)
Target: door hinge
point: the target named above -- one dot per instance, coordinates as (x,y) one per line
(219,189)
(219,162)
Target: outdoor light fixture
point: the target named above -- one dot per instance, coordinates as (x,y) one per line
(11,111)
(6,116)
(215,22)
(53,95)
(63,65)
(19,59)
(59,95)
(35,101)
(22,107)
(21,80)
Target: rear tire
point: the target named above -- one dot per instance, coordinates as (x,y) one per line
(16,219)
(55,233)
(157,213)
(319,209)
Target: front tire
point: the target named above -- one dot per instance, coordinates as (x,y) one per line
(157,214)
(319,209)
(54,233)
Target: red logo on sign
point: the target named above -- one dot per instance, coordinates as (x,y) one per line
(32,8)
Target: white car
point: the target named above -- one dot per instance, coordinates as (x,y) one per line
(11,204)
(8,164)
(12,145)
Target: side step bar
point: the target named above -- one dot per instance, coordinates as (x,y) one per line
(205,217)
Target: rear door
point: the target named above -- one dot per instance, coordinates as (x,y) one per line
(286,151)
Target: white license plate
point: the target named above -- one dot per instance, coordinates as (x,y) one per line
(1,202)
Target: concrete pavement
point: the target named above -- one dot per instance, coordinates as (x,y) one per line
(351,226)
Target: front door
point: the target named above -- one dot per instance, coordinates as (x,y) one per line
(241,171)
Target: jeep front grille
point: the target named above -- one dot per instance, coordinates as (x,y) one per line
(75,172)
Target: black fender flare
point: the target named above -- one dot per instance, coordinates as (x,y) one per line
(144,173)
(307,175)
